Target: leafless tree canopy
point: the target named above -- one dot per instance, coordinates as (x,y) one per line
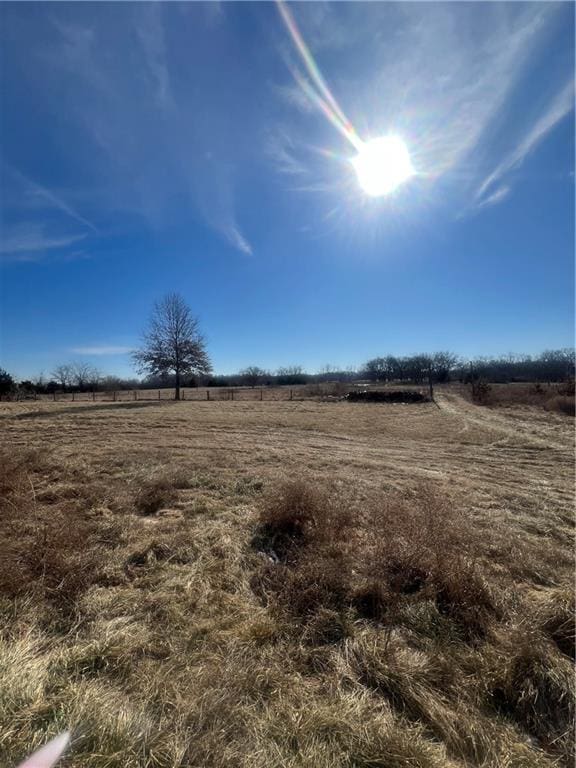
(173,342)
(253,375)
(63,375)
(77,374)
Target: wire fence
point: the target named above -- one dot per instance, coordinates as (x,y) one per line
(196,394)
(329,391)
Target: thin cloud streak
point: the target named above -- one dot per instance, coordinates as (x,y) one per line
(237,239)
(156,143)
(496,197)
(151,34)
(558,109)
(101,350)
(52,199)
(31,238)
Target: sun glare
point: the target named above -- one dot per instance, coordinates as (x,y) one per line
(382,165)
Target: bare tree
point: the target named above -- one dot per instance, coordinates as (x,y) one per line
(253,375)
(172,343)
(375,369)
(84,375)
(292,374)
(442,363)
(63,375)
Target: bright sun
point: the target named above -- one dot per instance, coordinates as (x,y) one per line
(382,165)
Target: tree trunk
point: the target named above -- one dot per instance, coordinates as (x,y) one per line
(177,393)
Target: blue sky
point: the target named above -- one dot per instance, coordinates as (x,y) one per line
(148,148)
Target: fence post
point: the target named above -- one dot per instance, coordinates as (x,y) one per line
(261,394)
(207,394)
(183,394)
(135,394)
(73,396)
(290,394)
(231,394)
(93,395)
(114,396)
(158,394)
(54,395)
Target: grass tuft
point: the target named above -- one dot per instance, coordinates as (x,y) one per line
(155,494)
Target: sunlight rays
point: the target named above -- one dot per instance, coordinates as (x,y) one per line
(382,164)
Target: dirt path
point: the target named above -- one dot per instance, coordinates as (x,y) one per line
(551,431)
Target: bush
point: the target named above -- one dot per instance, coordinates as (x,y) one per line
(562,404)
(399,551)
(296,515)
(553,397)
(481,391)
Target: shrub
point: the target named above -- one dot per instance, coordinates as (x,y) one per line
(419,553)
(399,551)
(562,404)
(296,515)
(481,391)
(552,397)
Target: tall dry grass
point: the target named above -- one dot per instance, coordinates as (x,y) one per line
(289,623)
(558,398)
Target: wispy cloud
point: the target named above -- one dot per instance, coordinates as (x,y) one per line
(153,114)
(443,78)
(151,34)
(213,11)
(559,107)
(35,190)
(103,349)
(28,241)
(280,148)
(499,195)
(211,187)
(237,239)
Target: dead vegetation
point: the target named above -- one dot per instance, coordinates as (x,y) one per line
(324,554)
(558,398)
(51,552)
(177,606)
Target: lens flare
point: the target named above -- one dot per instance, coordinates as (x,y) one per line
(322,96)
(382,165)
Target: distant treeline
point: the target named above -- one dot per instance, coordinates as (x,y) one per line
(439,367)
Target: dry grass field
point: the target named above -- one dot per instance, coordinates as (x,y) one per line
(287,584)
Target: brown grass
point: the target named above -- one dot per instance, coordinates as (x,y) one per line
(52,553)
(325,553)
(558,398)
(313,584)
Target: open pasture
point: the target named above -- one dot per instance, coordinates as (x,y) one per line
(287,583)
